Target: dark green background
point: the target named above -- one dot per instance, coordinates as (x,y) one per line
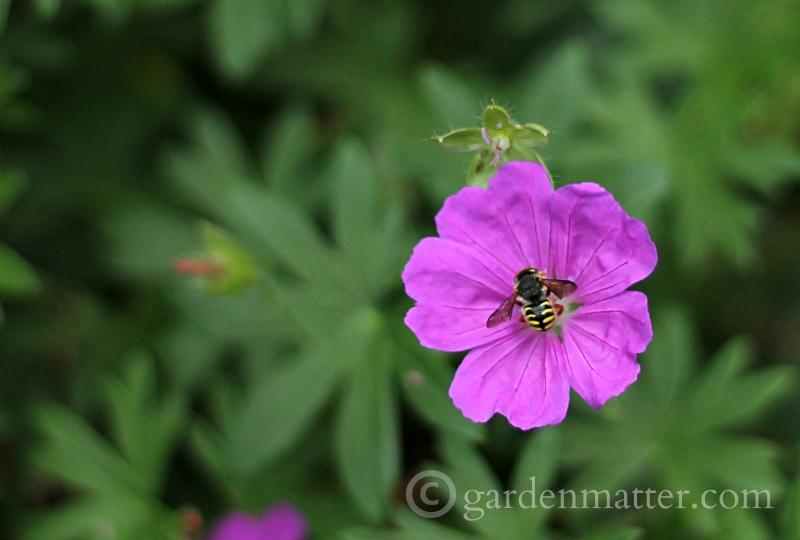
(300,128)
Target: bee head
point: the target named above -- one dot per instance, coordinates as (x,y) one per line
(534,272)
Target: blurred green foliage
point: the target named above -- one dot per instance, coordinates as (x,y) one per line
(290,141)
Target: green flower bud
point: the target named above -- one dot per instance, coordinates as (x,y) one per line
(496,121)
(225,267)
(499,140)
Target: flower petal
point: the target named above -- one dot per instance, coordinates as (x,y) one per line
(237,526)
(457,291)
(455,329)
(448,273)
(601,342)
(283,522)
(508,223)
(519,377)
(595,243)
(623,320)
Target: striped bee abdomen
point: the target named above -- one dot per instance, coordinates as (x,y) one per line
(539,316)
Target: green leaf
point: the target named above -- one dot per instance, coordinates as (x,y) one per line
(220,149)
(160,6)
(205,171)
(13,79)
(660,430)
(409,527)
(539,459)
(367,438)
(641,176)
(48,8)
(670,359)
(554,94)
(616,533)
(741,463)
(718,392)
(273,226)
(239,317)
(287,149)
(17,277)
(624,457)
(424,379)
(11,185)
(99,518)
(470,472)
(386,264)
(415,527)
(452,100)
(190,354)
(304,16)
(465,461)
(740,524)
(790,510)
(4,7)
(76,454)
(767,166)
(143,239)
(243,32)
(145,429)
(729,223)
(209,446)
(362,226)
(535,471)
(354,199)
(281,406)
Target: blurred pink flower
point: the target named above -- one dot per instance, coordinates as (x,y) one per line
(579,233)
(280,522)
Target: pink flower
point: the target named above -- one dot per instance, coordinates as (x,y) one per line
(280,522)
(579,233)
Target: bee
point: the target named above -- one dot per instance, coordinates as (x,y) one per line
(532,293)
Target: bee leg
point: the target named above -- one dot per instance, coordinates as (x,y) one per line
(559,309)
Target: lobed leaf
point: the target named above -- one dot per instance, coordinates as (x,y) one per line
(17,277)
(367,435)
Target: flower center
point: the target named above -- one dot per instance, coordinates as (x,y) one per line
(564,310)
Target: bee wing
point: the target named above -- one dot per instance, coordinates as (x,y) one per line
(560,287)
(503,312)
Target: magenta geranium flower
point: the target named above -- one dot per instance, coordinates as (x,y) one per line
(486,237)
(280,522)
